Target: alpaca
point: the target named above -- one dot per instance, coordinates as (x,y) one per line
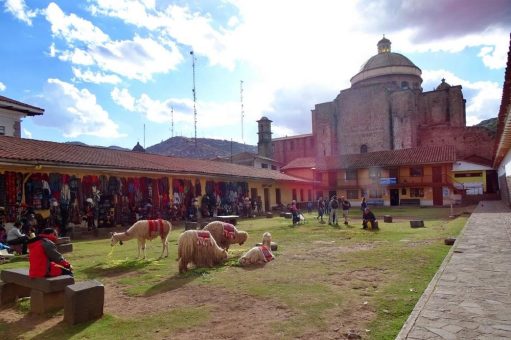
(258,254)
(145,230)
(198,247)
(226,234)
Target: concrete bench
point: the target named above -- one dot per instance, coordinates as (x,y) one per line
(84,301)
(232,219)
(288,215)
(387,219)
(417,223)
(64,245)
(45,293)
(191,225)
(269,215)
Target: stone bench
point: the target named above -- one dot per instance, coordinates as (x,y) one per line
(417,223)
(45,294)
(232,219)
(288,215)
(410,201)
(269,215)
(387,219)
(64,245)
(191,225)
(84,301)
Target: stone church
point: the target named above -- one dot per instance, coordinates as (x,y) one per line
(384,109)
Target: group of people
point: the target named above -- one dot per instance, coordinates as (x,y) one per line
(332,206)
(43,255)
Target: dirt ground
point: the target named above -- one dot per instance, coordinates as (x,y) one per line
(247,317)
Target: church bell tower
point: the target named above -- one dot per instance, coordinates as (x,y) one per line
(264,148)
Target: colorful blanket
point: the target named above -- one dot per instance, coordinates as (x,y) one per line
(155,228)
(229,231)
(268,256)
(203,238)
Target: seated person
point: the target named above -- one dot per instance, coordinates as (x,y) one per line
(44,258)
(368,216)
(17,239)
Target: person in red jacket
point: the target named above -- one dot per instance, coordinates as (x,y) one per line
(44,258)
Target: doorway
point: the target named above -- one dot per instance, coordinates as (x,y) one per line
(394,197)
(266,199)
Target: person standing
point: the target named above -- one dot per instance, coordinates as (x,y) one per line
(321,208)
(345,205)
(333,205)
(294,212)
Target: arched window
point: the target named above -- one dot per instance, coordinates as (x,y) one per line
(404,85)
(363,148)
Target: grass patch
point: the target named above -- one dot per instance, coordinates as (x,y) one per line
(323,281)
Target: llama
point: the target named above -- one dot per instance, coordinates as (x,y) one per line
(145,230)
(259,254)
(198,247)
(225,234)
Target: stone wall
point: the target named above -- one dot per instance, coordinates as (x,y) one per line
(364,119)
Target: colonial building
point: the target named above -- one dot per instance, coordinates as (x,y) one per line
(386,109)
(11,114)
(502,149)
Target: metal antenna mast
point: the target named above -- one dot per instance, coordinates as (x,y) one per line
(172,120)
(194,97)
(242,111)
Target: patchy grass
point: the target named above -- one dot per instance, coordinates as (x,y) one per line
(324,282)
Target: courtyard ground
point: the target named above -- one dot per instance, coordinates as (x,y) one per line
(327,282)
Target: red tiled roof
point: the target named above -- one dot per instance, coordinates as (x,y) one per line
(18,150)
(300,163)
(503,140)
(414,156)
(11,104)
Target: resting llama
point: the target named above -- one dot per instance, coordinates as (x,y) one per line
(225,234)
(259,254)
(144,230)
(198,247)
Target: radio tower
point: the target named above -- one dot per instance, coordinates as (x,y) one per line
(194,98)
(172,120)
(242,110)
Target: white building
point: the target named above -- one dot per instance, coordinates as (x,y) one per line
(11,114)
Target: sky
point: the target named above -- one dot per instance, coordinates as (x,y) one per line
(104,69)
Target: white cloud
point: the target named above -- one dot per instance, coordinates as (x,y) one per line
(76,112)
(139,58)
(123,98)
(73,28)
(484,102)
(27,134)
(95,77)
(18,8)
(2,86)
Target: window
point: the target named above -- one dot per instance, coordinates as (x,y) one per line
(416,171)
(309,195)
(403,191)
(291,145)
(274,167)
(416,192)
(264,165)
(2,130)
(301,195)
(404,85)
(475,174)
(351,174)
(374,173)
(363,148)
(352,194)
(294,194)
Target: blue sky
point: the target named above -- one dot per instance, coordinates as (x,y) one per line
(102,69)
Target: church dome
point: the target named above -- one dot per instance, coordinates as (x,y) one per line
(384,64)
(138,148)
